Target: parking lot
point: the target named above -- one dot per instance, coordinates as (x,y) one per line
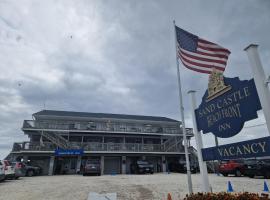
(127,187)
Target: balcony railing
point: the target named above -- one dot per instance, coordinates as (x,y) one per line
(101,127)
(107,147)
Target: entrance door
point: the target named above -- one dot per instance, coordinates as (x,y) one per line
(156,161)
(112,165)
(65,165)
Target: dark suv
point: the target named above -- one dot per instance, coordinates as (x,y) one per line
(258,168)
(141,167)
(182,167)
(236,167)
(92,167)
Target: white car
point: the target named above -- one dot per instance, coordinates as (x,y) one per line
(2,172)
(9,170)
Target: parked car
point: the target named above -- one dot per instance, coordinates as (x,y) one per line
(25,169)
(2,172)
(20,169)
(141,167)
(92,166)
(177,167)
(31,170)
(258,168)
(236,167)
(182,167)
(9,170)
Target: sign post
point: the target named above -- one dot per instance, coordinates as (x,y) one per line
(198,138)
(260,80)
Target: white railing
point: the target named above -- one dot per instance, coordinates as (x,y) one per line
(31,124)
(91,146)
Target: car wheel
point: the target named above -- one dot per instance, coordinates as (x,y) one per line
(225,175)
(267,175)
(30,173)
(238,173)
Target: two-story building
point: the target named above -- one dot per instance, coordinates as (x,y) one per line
(63,139)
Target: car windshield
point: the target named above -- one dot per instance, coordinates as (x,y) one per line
(142,162)
(249,162)
(92,162)
(224,162)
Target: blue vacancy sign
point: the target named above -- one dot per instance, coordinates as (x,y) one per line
(69,152)
(247,149)
(227,105)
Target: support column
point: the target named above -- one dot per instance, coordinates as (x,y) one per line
(163,164)
(102,165)
(51,165)
(79,162)
(82,140)
(260,80)
(124,165)
(198,138)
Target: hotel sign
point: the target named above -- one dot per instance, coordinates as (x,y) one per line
(227,105)
(247,149)
(69,152)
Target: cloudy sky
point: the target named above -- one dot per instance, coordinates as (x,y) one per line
(117,56)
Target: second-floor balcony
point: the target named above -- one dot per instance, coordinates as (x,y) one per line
(96,147)
(101,127)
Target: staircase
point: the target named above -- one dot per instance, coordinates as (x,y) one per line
(192,151)
(172,142)
(56,139)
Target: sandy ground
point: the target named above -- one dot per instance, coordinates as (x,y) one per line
(127,187)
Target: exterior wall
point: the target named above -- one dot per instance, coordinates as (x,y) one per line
(110,164)
(119,141)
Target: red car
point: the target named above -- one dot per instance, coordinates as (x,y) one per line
(236,167)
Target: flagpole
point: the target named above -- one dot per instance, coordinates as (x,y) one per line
(183,117)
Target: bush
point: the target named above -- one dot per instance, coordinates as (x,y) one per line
(227,196)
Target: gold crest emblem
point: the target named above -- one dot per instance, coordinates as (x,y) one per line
(216,85)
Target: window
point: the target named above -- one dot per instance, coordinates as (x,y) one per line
(77,125)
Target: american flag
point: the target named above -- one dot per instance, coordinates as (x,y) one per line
(198,54)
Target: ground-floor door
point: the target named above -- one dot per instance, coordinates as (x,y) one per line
(156,162)
(112,165)
(65,165)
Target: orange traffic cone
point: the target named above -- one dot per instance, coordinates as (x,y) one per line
(169,197)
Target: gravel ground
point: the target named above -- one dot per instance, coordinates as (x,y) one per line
(127,187)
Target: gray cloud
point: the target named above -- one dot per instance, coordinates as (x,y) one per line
(115,56)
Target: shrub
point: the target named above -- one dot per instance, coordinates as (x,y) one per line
(227,196)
